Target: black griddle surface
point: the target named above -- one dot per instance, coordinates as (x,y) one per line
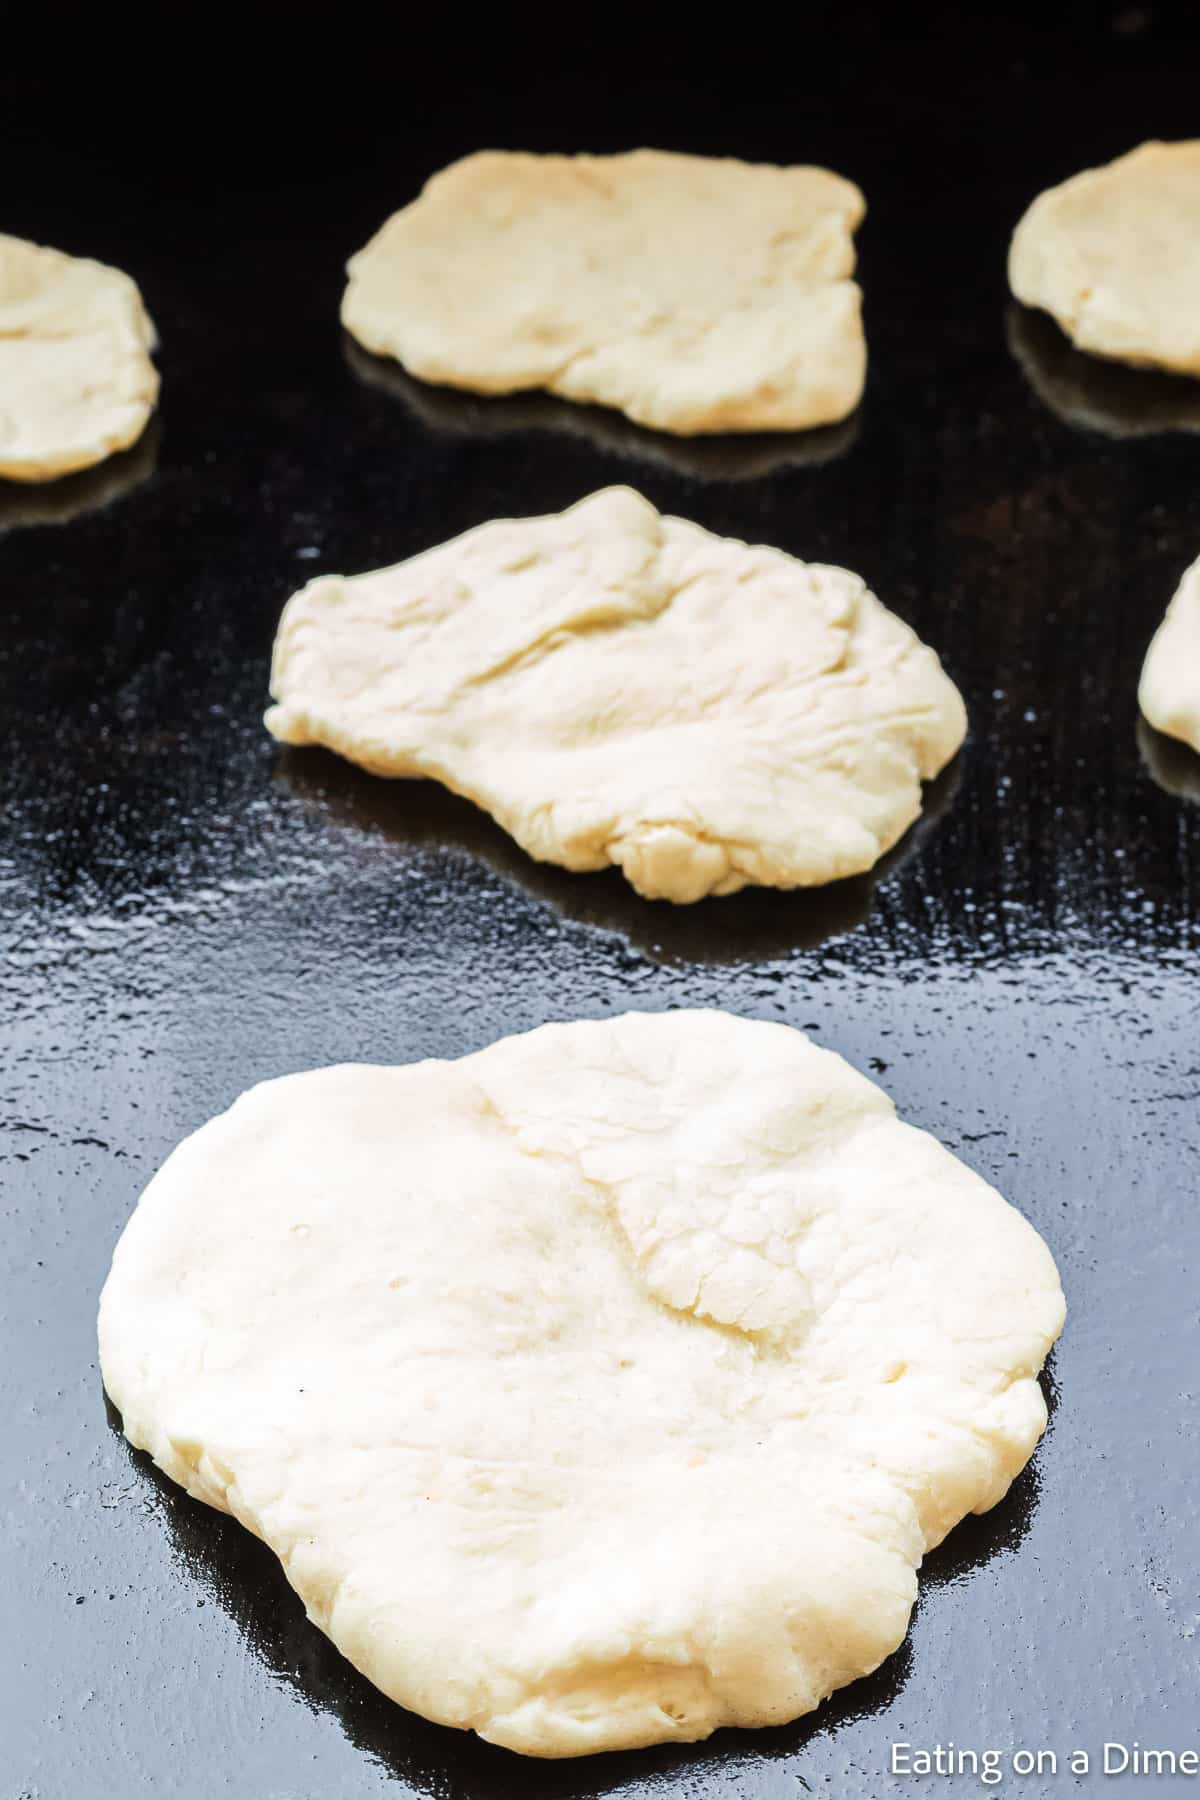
(187,910)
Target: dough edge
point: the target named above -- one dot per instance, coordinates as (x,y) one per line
(127,418)
(1169,689)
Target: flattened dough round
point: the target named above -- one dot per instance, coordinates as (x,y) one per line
(696,294)
(599,1389)
(1114,255)
(76,379)
(1169,693)
(614,686)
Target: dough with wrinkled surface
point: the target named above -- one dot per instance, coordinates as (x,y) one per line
(695,294)
(602,1388)
(1169,692)
(76,379)
(1114,255)
(615,686)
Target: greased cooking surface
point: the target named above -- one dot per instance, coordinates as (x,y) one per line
(188,910)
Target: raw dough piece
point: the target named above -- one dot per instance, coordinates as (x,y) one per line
(1169,693)
(602,1388)
(76,379)
(614,686)
(1114,254)
(694,294)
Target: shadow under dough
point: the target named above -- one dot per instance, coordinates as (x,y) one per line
(756,925)
(729,456)
(71,496)
(246,1580)
(1173,765)
(1093,393)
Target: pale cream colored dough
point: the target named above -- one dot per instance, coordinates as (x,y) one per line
(76,379)
(695,294)
(599,1389)
(614,686)
(1169,693)
(1114,255)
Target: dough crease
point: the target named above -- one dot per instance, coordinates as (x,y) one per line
(1169,691)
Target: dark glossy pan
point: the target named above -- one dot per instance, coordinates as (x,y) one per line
(187,910)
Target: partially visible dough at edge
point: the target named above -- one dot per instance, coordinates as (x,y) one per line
(1169,692)
(1114,255)
(76,380)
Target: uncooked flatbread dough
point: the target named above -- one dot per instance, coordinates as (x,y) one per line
(614,686)
(1169,693)
(76,379)
(1114,254)
(600,1389)
(695,294)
